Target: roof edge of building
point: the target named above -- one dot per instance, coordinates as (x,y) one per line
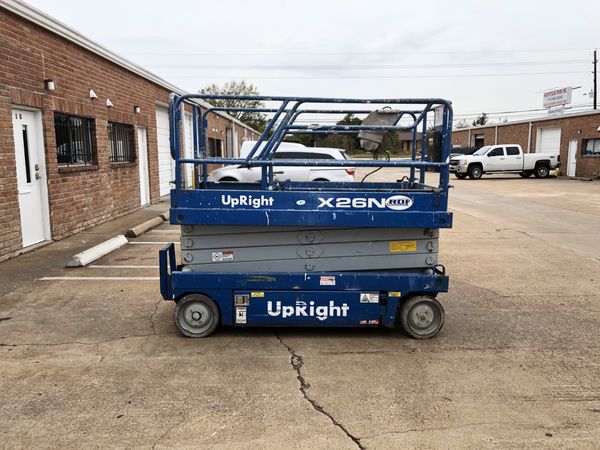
(536,119)
(48,22)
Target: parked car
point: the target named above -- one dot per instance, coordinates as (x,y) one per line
(507,158)
(288,150)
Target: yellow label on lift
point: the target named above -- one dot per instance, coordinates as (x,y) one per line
(403,246)
(257,294)
(395,294)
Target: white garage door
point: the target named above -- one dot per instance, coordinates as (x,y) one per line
(166,165)
(548,141)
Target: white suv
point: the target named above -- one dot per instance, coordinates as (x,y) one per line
(288,150)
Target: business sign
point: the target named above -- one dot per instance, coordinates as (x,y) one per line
(556,110)
(557,97)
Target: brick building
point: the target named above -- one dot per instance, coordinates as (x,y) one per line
(83,132)
(575,137)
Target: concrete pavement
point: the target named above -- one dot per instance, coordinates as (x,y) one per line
(98,362)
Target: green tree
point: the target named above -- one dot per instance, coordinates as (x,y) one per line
(255,120)
(349,142)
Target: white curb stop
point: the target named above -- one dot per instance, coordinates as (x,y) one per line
(96,252)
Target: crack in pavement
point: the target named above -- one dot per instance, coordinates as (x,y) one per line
(297,363)
(152,325)
(54,344)
(153,329)
(450,427)
(167,431)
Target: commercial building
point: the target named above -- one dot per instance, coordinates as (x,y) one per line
(84,133)
(575,137)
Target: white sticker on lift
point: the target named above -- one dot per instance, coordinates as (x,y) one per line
(240,315)
(223,256)
(327,281)
(369,297)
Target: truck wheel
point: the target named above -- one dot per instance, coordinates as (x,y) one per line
(196,315)
(422,316)
(542,171)
(525,174)
(475,172)
(461,176)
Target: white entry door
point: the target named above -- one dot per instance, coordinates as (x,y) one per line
(31,176)
(142,139)
(166,165)
(572,162)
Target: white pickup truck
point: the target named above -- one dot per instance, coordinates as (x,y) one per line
(502,159)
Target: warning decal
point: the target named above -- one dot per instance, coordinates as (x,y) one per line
(240,315)
(327,281)
(224,256)
(403,246)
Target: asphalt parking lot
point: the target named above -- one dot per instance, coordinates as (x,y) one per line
(91,356)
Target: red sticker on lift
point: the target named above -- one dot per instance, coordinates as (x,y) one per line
(327,281)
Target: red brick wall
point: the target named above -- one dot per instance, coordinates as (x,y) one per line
(79,198)
(572,128)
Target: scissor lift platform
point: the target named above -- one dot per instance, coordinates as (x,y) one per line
(265,274)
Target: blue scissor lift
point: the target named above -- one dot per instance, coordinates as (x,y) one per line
(336,298)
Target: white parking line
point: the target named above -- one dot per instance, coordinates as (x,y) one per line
(153,243)
(119,266)
(99,278)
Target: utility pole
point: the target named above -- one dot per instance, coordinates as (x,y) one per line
(595,80)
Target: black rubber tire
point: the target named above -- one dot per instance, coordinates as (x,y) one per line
(200,306)
(526,174)
(227,179)
(460,176)
(542,171)
(422,316)
(320,179)
(475,172)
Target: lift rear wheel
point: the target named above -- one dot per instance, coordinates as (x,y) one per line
(422,316)
(196,315)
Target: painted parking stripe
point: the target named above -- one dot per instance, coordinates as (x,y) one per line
(121,266)
(99,279)
(153,243)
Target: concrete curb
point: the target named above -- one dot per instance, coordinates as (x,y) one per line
(96,252)
(140,229)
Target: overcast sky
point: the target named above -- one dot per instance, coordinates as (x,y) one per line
(482,55)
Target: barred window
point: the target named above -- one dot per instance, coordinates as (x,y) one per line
(120,142)
(75,140)
(591,147)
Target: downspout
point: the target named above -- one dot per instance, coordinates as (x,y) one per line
(469,143)
(529,138)
(496,136)
(235,143)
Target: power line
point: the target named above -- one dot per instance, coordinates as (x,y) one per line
(483,75)
(371,66)
(407,52)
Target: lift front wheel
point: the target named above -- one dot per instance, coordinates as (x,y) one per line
(196,315)
(422,316)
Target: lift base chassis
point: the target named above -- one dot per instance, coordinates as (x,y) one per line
(327,299)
